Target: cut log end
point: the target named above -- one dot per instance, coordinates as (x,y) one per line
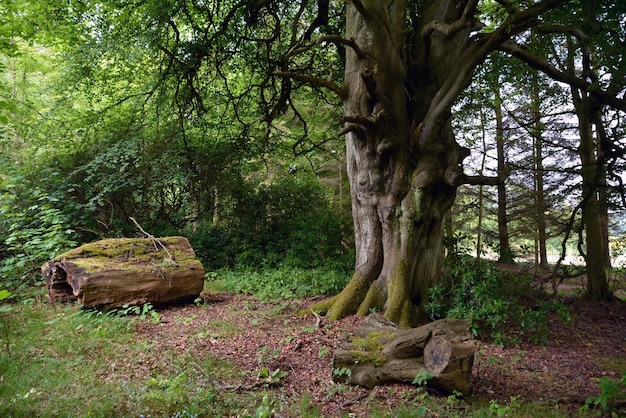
(437,354)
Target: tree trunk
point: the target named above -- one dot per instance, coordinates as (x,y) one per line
(591,173)
(127,271)
(540,201)
(402,159)
(379,353)
(602,144)
(597,283)
(481,191)
(506,254)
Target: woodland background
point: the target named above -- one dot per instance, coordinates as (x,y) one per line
(92,135)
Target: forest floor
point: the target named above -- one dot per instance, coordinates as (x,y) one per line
(255,336)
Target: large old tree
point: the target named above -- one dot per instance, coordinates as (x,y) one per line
(406,64)
(397,67)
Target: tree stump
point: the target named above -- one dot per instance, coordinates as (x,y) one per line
(116,272)
(378,352)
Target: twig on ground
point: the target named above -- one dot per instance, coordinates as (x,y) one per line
(349,402)
(155,241)
(373,394)
(318,319)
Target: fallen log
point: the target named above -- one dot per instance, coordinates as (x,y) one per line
(378,352)
(116,272)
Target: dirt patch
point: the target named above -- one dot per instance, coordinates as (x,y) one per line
(255,335)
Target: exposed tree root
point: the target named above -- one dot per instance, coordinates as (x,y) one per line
(360,297)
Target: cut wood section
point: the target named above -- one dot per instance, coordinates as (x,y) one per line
(378,352)
(125,271)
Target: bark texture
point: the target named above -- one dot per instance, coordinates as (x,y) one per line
(406,63)
(379,353)
(541,249)
(402,159)
(127,271)
(597,282)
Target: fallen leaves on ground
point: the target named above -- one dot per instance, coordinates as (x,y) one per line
(255,335)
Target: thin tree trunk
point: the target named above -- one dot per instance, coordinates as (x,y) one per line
(195,205)
(479,227)
(506,254)
(540,201)
(216,206)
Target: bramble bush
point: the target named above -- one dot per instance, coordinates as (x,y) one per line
(32,230)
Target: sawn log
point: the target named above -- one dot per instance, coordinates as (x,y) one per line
(378,352)
(125,271)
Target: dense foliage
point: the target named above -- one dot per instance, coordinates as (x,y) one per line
(33,229)
(95,136)
(500,307)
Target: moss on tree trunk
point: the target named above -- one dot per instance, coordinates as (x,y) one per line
(402,159)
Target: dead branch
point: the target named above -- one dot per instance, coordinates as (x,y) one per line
(155,241)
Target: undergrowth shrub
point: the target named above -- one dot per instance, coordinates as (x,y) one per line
(611,398)
(504,309)
(290,222)
(33,229)
(282,283)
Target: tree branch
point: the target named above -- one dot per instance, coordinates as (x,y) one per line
(474,55)
(477,180)
(359,120)
(335,39)
(358,5)
(351,127)
(467,20)
(577,32)
(155,241)
(341,92)
(542,65)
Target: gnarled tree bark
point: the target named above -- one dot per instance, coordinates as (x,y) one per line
(403,74)
(402,158)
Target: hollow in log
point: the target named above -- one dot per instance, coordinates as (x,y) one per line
(379,353)
(125,271)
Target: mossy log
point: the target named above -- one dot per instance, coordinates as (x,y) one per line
(115,272)
(378,352)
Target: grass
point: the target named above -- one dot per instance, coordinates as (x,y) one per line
(278,284)
(72,363)
(616,365)
(56,362)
